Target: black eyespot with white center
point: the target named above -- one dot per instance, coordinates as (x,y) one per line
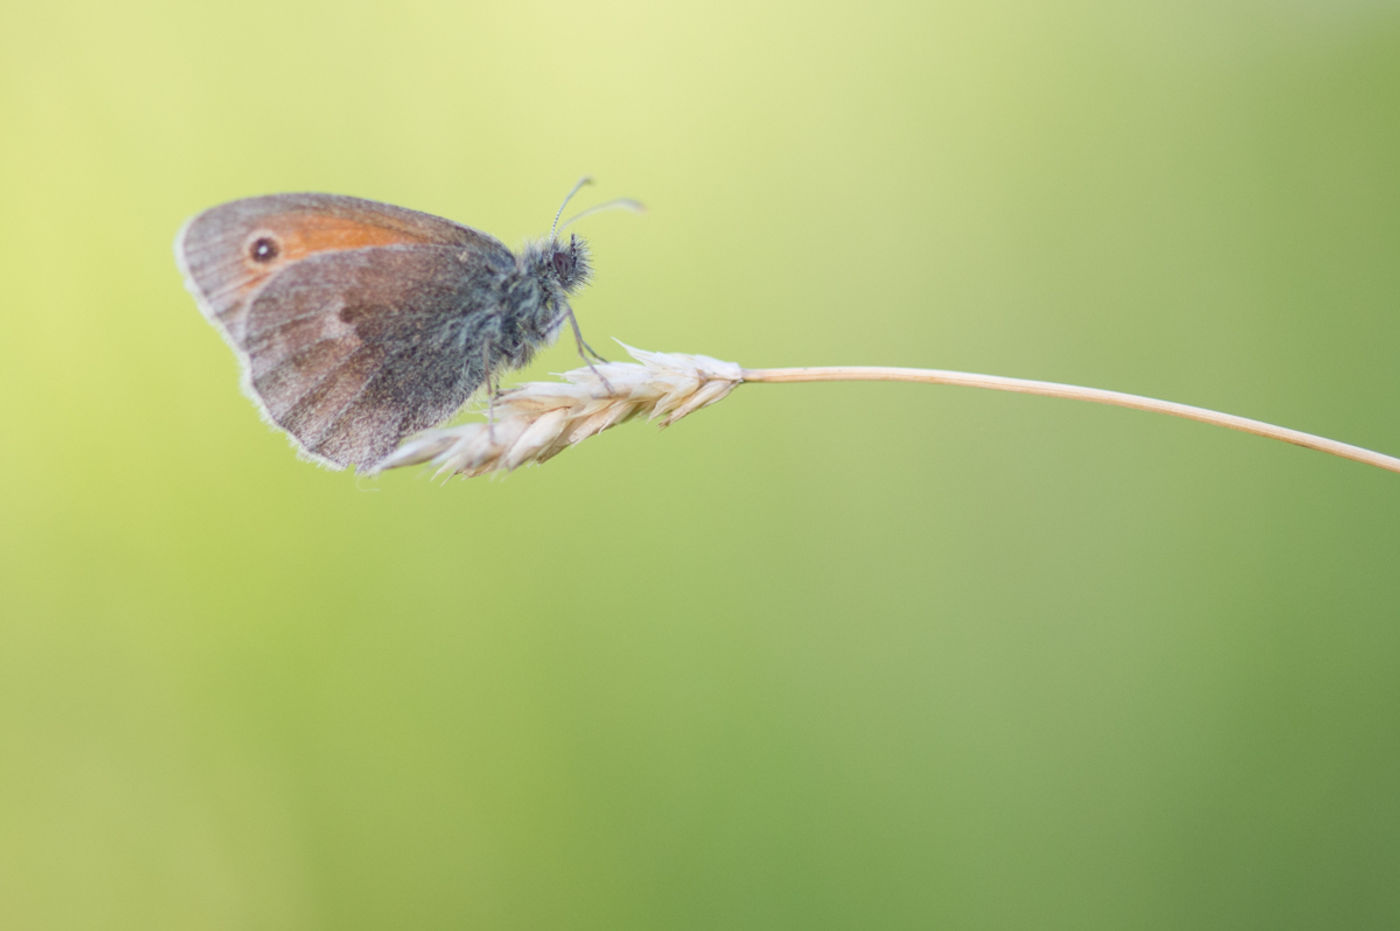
(263,249)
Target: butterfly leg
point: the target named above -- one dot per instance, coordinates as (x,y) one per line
(586,350)
(493,386)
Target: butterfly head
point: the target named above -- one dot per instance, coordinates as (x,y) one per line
(565,265)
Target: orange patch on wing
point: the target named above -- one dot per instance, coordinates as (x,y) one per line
(305,233)
(299,235)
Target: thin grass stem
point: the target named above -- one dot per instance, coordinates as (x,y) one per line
(1052,389)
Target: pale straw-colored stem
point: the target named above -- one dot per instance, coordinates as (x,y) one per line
(1052,389)
(537,421)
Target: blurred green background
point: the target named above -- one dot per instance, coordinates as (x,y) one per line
(876,656)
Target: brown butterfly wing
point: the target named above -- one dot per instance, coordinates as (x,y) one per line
(349,352)
(354,326)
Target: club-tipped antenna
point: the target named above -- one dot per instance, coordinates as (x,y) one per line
(586,179)
(625,203)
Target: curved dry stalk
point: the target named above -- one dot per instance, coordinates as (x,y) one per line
(539,420)
(1077,393)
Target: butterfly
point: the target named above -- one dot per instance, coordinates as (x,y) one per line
(358,323)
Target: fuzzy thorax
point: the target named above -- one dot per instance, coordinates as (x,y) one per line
(532,300)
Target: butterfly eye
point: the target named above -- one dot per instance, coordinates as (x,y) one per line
(562,264)
(263,249)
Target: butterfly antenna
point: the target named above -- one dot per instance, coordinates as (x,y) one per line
(568,197)
(625,203)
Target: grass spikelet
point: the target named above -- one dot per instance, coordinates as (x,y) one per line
(538,420)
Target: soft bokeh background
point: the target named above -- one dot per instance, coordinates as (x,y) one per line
(822,656)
